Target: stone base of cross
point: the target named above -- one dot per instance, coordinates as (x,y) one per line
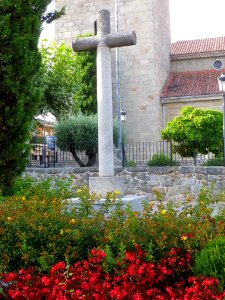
(103,42)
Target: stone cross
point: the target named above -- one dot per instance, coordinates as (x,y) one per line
(103,42)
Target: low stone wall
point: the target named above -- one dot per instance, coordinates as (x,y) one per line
(173,183)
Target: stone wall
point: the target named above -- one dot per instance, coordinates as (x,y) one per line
(173,183)
(172,107)
(195,64)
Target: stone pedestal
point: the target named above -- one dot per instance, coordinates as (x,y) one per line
(134,201)
(102,185)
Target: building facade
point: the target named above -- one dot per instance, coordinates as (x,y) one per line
(156,78)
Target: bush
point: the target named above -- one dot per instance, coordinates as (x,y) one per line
(130,163)
(39,228)
(133,278)
(214,162)
(80,133)
(161,160)
(210,262)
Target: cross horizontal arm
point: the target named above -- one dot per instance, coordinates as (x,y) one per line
(120,39)
(85,44)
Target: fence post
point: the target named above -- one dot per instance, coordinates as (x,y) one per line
(54,154)
(224,151)
(171,153)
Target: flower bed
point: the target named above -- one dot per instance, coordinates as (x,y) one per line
(133,278)
(50,252)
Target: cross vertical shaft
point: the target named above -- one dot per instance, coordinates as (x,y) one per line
(104,41)
(104,92)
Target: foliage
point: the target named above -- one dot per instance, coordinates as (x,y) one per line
(161,160)
(86,81)
(217,161)
(20,23)
(211,260)
(79,133)
(69,80)
(38,227)
(134,278)
(57,77)
(130,163)
(196,131)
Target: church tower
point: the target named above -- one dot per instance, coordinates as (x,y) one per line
(144,67)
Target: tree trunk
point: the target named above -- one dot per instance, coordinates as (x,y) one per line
(91,158)
(77,159)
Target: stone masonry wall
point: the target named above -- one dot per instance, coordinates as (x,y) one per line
(173,183)
(173,108)
(195,64)
(144,67)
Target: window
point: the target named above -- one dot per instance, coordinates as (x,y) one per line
(217,64)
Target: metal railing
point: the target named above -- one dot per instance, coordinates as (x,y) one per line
(44,154)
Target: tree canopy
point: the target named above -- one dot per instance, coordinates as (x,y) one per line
(79,133)
(69,80)
(195,131)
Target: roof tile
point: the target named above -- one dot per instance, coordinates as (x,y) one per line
(198,46)
(192,84)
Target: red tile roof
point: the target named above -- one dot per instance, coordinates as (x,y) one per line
(198,46)
(192,84)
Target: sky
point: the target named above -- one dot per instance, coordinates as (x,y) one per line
(196,19)
(189,20)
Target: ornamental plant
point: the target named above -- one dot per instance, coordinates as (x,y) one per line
(80,133)
(210,262)
(135,278)
(195,131)
(160,159)
(39,228)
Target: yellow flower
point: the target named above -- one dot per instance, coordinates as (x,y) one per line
(61,231)
(23,198)
(79,191)
(117,192)
(72,221)
(9,219)
(184,238)
(163,211)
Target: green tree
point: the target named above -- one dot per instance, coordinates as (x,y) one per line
(69,80)
(195,131)
(20,23)
(80,133)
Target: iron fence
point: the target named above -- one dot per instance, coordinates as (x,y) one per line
(47,154)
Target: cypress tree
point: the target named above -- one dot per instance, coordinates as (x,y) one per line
(20,23)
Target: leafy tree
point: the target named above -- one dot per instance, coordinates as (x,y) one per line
(20,23)
(69,80)
(196,131)
(80,133)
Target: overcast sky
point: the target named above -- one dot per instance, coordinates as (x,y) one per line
(194,19)
(189,19)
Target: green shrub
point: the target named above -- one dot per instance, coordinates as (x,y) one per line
(39,228)
(211,260)
(80,133)
(131,163)
(160,159)
(214,162)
